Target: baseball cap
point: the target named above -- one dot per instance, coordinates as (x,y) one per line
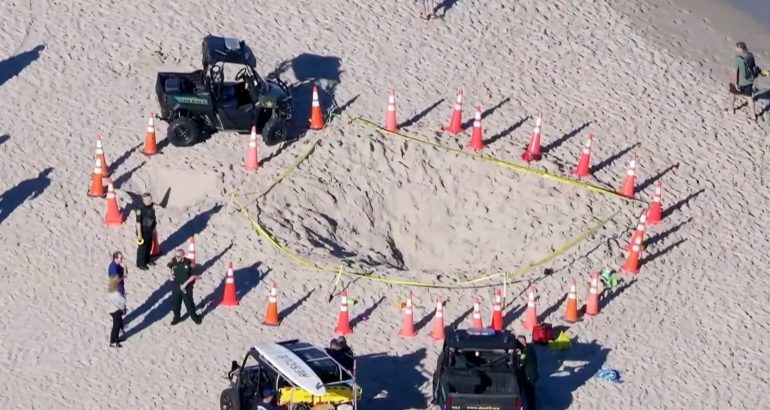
(267,392)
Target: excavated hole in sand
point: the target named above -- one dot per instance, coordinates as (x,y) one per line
(380,204)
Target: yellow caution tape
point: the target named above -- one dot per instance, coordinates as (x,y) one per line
(517,167)
(474,283)
(291,168)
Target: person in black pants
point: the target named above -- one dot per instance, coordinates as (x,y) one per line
(145,229)
(183,277)
(527,370)
(117,305)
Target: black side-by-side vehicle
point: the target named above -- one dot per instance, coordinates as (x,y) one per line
(477,370)
(203,102)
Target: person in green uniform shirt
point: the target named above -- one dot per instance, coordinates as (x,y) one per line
(183,276)
(145,229)
(527,371)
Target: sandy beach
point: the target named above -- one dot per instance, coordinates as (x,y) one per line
(644,77)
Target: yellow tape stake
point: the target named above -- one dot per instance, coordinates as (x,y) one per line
(517,167)
(474,283)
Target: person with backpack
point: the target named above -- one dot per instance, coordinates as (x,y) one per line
(745,71)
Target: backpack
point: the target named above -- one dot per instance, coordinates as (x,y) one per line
(750,66)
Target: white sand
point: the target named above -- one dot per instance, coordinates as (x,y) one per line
(690,333)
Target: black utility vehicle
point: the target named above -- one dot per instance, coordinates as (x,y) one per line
(477,370)
(203,102)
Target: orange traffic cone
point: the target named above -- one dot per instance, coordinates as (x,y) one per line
(155,248)
(343,321)
(113,217)
(532,152)
(583,167)
(150,143)
(191,249)
(477,322)
(455,122)
(407,325)
(639,231)
(100,154)
(571,315)
(530,316)
(497,311)
(592,304)
(628,184)
(438,321)
(271,316)
(230,297)
(97,184)
(316,116)
(390,115)
(252,156)
(655,215)
(477,142)
(632,260)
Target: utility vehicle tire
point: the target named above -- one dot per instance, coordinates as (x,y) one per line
(183,132)
(229,400)
(275,130)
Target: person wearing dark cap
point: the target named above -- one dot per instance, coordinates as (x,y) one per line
(743,75)
(145,229)
(268,397)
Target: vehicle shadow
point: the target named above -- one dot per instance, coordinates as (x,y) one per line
(388,393)
(194,226)
(26,190)
(563,372)
(13,66)
(309,70)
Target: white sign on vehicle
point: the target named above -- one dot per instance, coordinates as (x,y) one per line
(292,367)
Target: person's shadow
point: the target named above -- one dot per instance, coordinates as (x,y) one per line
(156,307)
(11,67)
(399,391)
(23,191)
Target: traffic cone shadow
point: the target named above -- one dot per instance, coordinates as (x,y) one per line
(123,157)
(651,180)
(677,206)
(486,113)
(655,255)
(283,314)
(660,237)
(124,177)
(511,315)
(609,295)
(611,159)
(245,279)
(366,313)
(209,263)
(419,325)
(564,138)
(543,316)
(460,319)
(420,115)
(506,132)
